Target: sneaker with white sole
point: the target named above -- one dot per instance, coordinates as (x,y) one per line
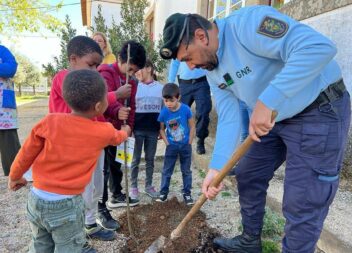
(121,201)
(105,220)
(134,193)
(188,199)
(162,198)
(97,232)
(151,192)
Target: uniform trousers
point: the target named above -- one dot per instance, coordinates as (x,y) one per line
(312,143)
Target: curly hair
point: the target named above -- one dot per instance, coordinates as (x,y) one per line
(83,89)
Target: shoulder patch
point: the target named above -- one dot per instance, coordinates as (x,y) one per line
(273,27)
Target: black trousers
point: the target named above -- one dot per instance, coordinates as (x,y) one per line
(9,147)
(112,176)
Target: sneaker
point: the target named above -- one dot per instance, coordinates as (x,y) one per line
(162,198)
(120,201)
(188,199)
(151,192)
(134,193)
(97,232)
(105,220)
(87,248)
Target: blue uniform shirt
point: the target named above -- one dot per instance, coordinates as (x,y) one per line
(266,55)
(185,73)
(176,123)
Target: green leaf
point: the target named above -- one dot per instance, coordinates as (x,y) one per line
(27,15)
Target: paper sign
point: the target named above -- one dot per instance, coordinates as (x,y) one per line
(120,152)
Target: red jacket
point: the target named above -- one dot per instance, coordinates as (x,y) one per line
(114,79)
(57,103)
(56,100)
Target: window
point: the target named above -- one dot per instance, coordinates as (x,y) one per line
(278,3)
(222,8)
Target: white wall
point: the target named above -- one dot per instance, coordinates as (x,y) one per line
(109,10)
(337,26)
(164,8)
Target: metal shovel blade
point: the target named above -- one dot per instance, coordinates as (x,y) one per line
(157,245)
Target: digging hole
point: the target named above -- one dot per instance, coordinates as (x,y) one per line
(151,221)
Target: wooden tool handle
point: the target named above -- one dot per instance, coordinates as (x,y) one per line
(241,150)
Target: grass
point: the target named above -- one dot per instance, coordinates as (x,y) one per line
(201,173)
(226,194)
(270,247)
(174,182)
(26,99)
(272,232)
(273,225)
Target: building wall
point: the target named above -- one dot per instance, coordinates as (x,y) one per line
(303,9)
(333,19)
(109,10)
(337,26)
(164,8)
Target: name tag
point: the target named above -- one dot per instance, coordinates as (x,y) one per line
(228,81)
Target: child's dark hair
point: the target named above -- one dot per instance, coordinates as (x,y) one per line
(82,45)
(137,53)
(170,90)
(83,89)
(149,64)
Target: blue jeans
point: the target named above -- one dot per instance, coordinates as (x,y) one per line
(200,93)
(171,154)
(57,226)
(312,143)
(150,141)
(245,112)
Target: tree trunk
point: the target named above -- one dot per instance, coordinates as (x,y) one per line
(33,90)
(19,90)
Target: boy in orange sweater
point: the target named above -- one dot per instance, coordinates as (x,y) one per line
(61,167)
(84,53)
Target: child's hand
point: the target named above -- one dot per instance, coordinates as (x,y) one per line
(123,113)
(124,91)
(127,129)
(14,185)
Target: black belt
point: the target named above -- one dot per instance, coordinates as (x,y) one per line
(192,81)
(332,93)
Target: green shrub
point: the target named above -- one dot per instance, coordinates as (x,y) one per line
(273,225)
(270,247)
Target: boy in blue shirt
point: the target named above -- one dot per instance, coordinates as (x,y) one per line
(180,129)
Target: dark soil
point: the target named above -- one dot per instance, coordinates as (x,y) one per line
(151,221)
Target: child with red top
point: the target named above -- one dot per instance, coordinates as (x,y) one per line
(115,77)
(61,167)
(84,53)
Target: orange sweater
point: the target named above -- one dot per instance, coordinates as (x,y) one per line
(63,150)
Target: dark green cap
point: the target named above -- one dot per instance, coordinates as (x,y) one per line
(174,29)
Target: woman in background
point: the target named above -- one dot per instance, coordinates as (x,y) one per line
(104,44)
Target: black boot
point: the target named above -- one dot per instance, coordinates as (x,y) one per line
(244,243)
(200,147)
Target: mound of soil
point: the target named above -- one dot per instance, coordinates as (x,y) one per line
(151,221)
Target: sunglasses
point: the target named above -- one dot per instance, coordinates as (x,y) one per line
(173,124)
